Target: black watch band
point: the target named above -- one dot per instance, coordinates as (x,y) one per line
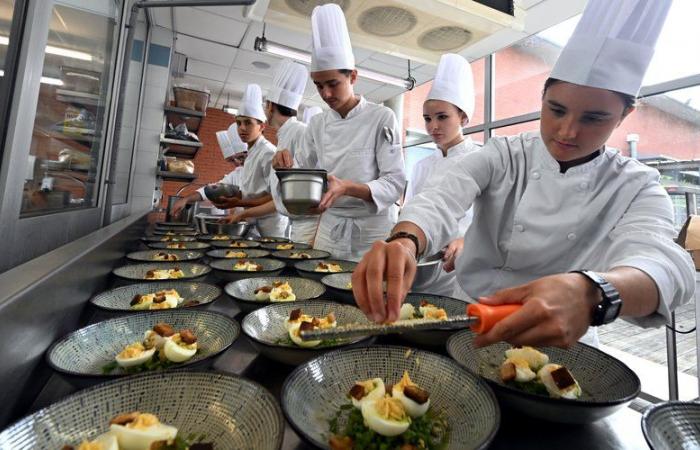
(609,308)
(405,235)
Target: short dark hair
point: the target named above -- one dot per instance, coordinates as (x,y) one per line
(283,110)
(629,101)
(346,72)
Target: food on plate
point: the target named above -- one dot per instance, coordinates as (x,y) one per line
(529,369)
(141,431)
(398,420)
(177,245)
(285,246)
(426,310)
(298,322)
(349,285)
(160,348)
(165,256)
(262,293)
(328,267)
(269,240)
(282,292)
(164,299)
(236,254)
(237,244)
(220,237)
(247,266)
(164,274)
(171,238)
(300,255)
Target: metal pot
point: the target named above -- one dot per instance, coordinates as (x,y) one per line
(218,190)
(209,224)
(302,189)
(427,271)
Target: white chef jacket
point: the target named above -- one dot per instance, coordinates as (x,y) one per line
(530,220)
(303,228)
(427,171)
(255,183)
(364,147)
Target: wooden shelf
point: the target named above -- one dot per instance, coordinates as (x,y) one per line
(179,142)
(180,148)
(176,176)
(183,111)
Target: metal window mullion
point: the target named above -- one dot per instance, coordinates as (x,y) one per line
(489,94)
(668,86)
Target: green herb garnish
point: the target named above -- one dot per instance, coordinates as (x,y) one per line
(531,387)
(287,341)
(155,363)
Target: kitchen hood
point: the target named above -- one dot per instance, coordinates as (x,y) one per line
(419,30)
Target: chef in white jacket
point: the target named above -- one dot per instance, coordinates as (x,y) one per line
(310,112)
(283,99)
(555,201)
(234,150)
(446,110)
(356,141)
(255,187)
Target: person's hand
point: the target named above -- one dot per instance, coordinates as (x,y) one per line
(556,311)
(178,207)
(452,251)
(336,189)
(282,160)
(227,202)
(396,260)
(234,218)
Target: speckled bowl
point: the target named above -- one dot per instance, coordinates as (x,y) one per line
(433,338)
(117,300)
(223,268)
(607,383)
(171,232)
(243,290)
(273,246)
(337,283)
(176,238)
(672,425)
(269,239)
(148,255)
(218,237)
(220,253)
(188,245)
(266,331)
(137,272)
(286,256)
(81,354)
(307,269)
(230,411)
(315,391)
(234,243)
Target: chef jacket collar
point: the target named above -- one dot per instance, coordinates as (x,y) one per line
(546,161)
(465,142)
(353,112)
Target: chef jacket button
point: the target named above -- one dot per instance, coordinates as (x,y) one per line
(571,236)
(536,175)
(583,186)
(519,228)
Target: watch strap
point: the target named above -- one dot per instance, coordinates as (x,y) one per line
(406,235)
(609,307)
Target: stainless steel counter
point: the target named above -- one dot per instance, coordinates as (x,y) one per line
(619,431)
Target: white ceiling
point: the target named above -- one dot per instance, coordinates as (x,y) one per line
(219,41)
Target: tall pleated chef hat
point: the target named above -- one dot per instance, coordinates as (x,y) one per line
(454,83)
(288,84)
(330,41)
(252,103)
(310,112)
(612,45)
(230,142)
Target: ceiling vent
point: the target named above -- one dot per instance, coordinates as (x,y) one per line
(418,30)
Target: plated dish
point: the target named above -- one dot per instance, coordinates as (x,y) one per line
(278,246)
(124,299)
(178,245)
(164,255)
(162,271)
(231,270)
(236,244)
(255,292)
(222,253)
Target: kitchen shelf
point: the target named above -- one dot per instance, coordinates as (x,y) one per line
(183,111)
(190,117)
(77,97)
(180,142)
(180,148)
(176,176)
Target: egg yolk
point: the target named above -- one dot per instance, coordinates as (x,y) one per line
(405,381)
(132,351)
(90,446)
(391,408)
(143,421)
(435,313)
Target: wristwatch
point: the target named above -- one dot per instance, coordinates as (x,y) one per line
(405,235)
(609,308)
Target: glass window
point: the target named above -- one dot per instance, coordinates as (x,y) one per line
(7,11)
(517,128)
(125,125)
(68,137)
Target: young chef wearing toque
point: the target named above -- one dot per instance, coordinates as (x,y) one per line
(283,100)
(356,141)
(555,201)
(256,171)
(234,150)
(447,108)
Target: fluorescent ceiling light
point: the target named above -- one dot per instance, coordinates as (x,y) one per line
(263,45)
(45,80)
(4,40)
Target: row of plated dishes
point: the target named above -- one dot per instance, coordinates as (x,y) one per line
(343,394)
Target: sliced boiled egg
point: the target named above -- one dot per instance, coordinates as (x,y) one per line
(282,293)
(560,383)
(178,351)
(535,358)
(414,399)
(294,334)
(407,311)
(141,302)
(151,339)
(106,441)
(134,354)
(372,389)
(386,416)
(142,432)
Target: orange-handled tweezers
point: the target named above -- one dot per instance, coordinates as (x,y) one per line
(480,318)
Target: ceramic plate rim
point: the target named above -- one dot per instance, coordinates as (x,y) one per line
(130,286)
